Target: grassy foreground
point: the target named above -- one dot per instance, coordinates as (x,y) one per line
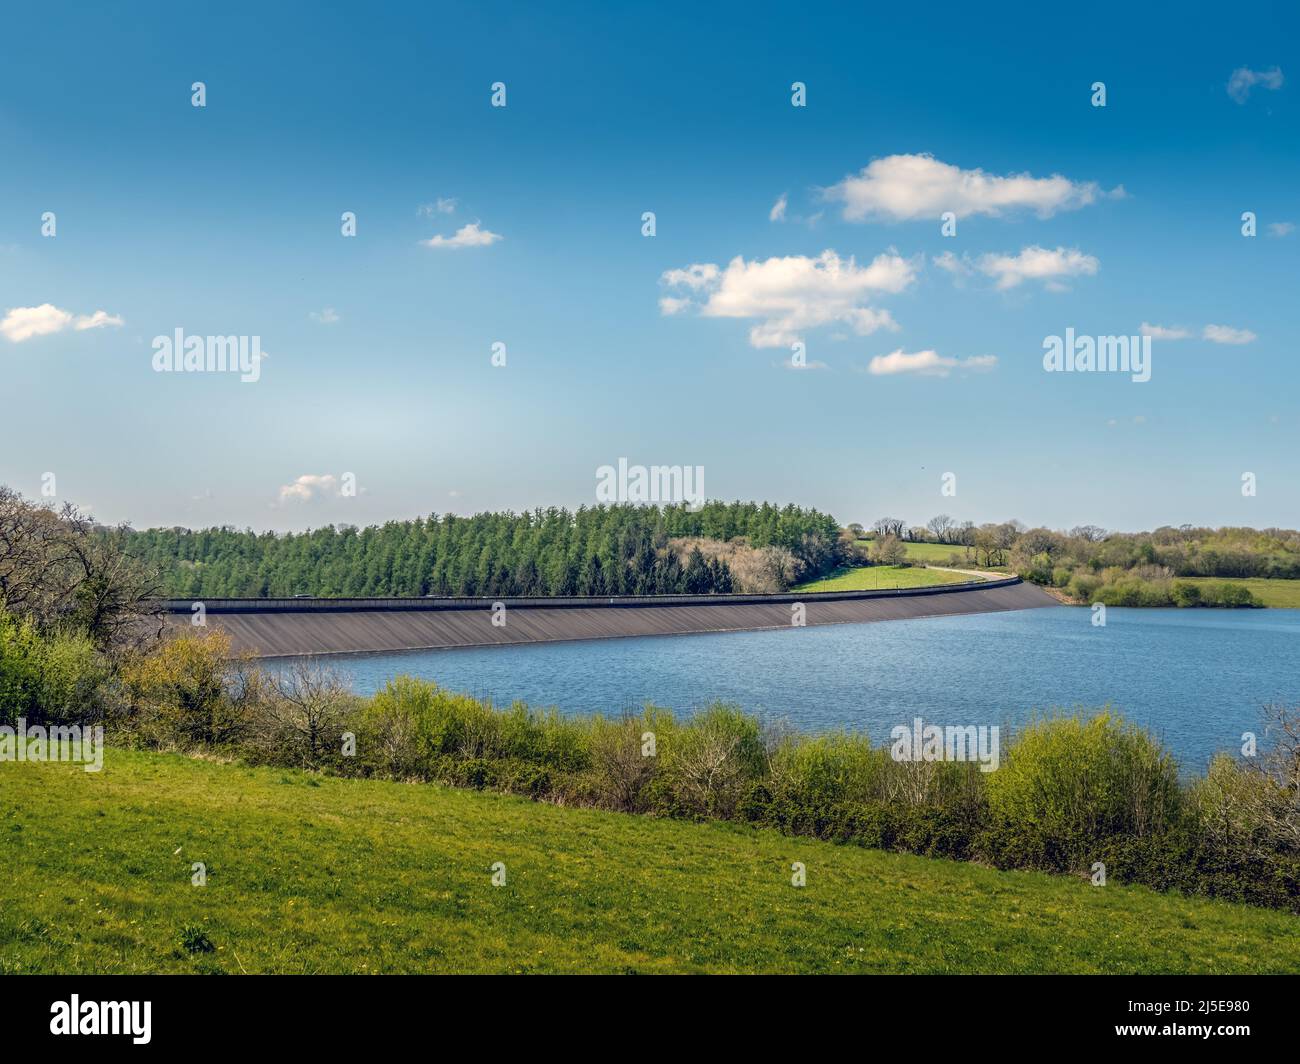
(882,577)
(314,874)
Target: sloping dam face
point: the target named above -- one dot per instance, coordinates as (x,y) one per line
(286,627)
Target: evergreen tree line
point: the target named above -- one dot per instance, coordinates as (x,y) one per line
(602,550)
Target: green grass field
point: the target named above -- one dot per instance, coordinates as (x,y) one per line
(1280,594)
(311,874)
(938,554)
(884,577)
(933,553)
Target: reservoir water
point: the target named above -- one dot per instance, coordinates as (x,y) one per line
(1196,678)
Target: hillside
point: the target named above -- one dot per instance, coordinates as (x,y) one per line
(315,874)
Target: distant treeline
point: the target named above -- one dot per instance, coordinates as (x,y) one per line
(604,550)
(1187,550)
(1091,564)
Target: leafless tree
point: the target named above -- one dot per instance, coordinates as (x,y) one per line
(941,527)
(306,710)
(1091,533)
(61,567)
(1281,763)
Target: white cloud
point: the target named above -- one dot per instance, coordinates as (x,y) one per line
(904,187)
(959,267)
(1226,334)
(699,276)
(328,316)
(438,206)
(22,323)
(467,236)
(1244,79)
(777,213)
(794,293)
(1281,228)
(309,486)
(670,305)
(927,363)
(1038,264)
(98,320)
(1165,332)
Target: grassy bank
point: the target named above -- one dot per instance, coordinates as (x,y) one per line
(315,874)
(881,577)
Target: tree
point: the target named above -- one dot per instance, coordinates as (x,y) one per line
(889,526)
(1041,541)
(941,527)
(1089,533)
(888,550)
(305,711)
(697,573)
(62,569)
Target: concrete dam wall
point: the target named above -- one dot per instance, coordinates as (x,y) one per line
(289,627)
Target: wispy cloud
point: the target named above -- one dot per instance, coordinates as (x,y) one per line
(467,236)
(328,316)
(1049,265)
(1165,332)
(927,363)
(438,206)
(23,323)
(1244,79)
(1226,334)
(777,213)
(791,294)
(1281,228)
(905,187)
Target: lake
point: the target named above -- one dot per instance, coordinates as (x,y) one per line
(1196,678)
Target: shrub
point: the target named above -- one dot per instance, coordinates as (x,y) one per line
(827,769)
(1236,809)
(709,762)
(1232,596)
(624,755)
(1083,587)
(1067,783)
(301,713)
(189,691)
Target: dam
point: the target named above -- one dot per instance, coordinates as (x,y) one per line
(302,626)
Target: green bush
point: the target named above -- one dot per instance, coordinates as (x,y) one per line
(1230,596)
(1083,587)
(1066,783)
(59,678)
(827,769)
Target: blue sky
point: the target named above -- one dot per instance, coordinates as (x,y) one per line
(225,220)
